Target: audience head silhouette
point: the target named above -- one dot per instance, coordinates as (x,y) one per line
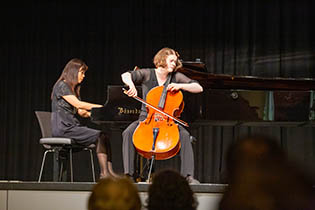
(260,176)
(114,194)
(170,191)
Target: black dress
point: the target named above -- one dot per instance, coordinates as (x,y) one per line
(64,121)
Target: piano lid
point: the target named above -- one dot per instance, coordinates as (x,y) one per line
(197,71)
(226,99)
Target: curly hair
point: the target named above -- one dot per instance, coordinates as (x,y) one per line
(159,59)
(170,191)
(114,194)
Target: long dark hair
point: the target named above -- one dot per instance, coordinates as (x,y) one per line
(70,74)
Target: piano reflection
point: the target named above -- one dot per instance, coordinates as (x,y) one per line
(226,100)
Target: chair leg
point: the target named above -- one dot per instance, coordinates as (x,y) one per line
(92,164)
(64,165)
(56,161)
(42,166)
(61,171)
(71,169)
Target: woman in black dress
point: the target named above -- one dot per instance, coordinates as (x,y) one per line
(66,104)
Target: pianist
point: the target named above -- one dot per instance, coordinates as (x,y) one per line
(166,62)
(66,103)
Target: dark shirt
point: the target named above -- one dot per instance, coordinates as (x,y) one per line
(148,80)
(64,113)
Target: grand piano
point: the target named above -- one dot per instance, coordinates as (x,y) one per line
(226,100)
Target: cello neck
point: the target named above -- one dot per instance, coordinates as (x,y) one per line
(163,97)
(164,92)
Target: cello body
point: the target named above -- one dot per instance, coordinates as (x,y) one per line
(167,141)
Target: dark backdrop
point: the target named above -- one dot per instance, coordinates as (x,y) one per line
(271,38)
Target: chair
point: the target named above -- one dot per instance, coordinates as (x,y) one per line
(58,146)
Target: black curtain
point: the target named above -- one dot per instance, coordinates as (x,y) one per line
(272,38)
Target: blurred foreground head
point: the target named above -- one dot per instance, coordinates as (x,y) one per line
(170,191)
(114,194)
(260,176)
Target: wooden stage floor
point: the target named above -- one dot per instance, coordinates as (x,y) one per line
(17,195)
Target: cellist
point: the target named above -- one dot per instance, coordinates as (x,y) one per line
(166,62)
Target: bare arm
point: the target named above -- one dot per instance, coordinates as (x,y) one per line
(190,87)
(84,113)
(126,78)
(74,101)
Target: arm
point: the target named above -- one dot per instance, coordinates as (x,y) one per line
(74,101)
(126,78)
(190,87)
(84,113)
(184,83)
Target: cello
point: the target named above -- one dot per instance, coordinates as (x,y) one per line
(157,137)
(158,134)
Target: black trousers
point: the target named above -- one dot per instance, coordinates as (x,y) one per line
(186,151)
